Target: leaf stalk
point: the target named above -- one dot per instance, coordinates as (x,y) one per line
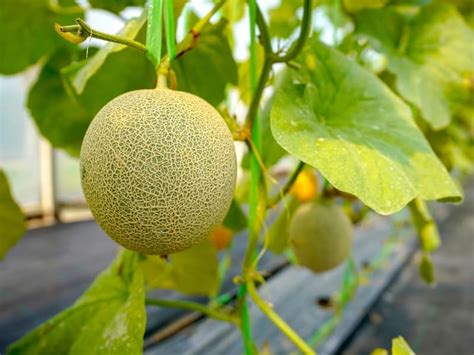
(193,306)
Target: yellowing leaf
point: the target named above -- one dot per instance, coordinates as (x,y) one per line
(379,351)
(400,347)
(68,36)
(344,121)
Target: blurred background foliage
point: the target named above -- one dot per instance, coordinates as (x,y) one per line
(379,105)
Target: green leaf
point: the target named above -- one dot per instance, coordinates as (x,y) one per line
(111,80)
(207,69)
(28,28)
(57,115)
(278,235)
(427,269)
(283,19)
(244,74)
(235,219)
(115,5)
(109,318)
(69,93)
(193,271)
(356,5)
(271,152)
(12,220)
(233,10)
(430,54)
(400,347)
(341,119)
(79,73)
(112,71)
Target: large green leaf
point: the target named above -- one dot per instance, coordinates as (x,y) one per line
(207,69)
(28,32)
(59,117)
(109,318)
(193,271)
(341,119)
(12,220)
(431,55)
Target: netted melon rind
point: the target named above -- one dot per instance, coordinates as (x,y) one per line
(158,170)
(321,235)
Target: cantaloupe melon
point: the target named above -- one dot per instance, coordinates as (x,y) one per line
(158,170)
(321,235)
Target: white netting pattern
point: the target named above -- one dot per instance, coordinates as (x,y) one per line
(158,170)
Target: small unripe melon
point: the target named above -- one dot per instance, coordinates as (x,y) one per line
(158,170)
(321,235)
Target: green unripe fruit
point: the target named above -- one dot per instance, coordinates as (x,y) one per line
(320,235)
(158,170)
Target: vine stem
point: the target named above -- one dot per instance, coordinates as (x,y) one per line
(255,176)
(278,321)
(270,59)
(84,30)
(189,41)
(296,48)
(193,306)
(258,193)
(288,185)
